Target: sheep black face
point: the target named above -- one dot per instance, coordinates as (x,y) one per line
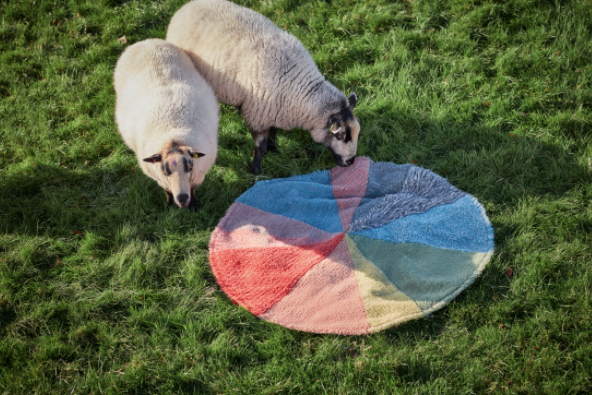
(176,174)
(341,137)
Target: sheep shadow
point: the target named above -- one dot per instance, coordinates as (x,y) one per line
(58,202)
(99,211)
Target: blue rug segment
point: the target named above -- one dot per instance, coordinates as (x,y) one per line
(319,177)
(308,198)
(419,191)
(461,225)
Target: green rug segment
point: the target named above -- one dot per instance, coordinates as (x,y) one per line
(427,275)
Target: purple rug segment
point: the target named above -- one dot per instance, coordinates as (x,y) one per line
(420,191)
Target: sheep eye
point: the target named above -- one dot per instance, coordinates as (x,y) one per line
(166,169)
(187,165)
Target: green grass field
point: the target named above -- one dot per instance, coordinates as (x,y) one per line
(105,290)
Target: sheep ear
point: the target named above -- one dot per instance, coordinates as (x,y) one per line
(353,99)
(153,159)
(197,155)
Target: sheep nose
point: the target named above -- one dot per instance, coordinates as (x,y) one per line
(182,198)
(349,162)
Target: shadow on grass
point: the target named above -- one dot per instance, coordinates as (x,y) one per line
(94,204)
(57,203)
(493,163)
(84,225)
(7,315)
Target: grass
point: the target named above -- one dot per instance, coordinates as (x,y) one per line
(105,290)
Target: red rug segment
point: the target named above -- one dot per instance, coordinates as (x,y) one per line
(257,278)
(325,300)
(349,187)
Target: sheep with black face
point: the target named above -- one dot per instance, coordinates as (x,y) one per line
(168,115)
(251,63)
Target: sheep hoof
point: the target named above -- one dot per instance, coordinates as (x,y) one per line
(169,197)
(255,170)
(192,206)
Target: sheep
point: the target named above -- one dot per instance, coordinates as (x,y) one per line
(168,115)
(251,63)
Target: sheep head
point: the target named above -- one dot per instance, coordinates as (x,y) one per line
(341,133)
(176,172)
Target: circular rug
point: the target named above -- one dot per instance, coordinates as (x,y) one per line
(350,251)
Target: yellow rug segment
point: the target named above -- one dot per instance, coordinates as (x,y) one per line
(383,302)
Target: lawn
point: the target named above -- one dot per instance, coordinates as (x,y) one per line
(106,290)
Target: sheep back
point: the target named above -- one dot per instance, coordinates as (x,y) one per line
(252,63)
(160,98)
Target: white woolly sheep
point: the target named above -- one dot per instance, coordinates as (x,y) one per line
(250,62)
(168,115)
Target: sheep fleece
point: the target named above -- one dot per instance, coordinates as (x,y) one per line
(162,98)
(252,63)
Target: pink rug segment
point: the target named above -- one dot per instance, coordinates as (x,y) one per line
(258,278)
(349,187)
(325,300)
(248,227)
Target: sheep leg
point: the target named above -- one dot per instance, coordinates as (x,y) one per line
(271,147)
(170,199)
(260,148)
(193,203)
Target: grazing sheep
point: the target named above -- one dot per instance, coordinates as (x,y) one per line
(252,63)
(168,115)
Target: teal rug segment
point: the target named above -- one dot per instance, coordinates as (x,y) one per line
(427,275)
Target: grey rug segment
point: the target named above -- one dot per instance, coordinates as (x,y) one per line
(385,178)
(406,190)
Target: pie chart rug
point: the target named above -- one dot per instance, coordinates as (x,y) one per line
(350,251)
